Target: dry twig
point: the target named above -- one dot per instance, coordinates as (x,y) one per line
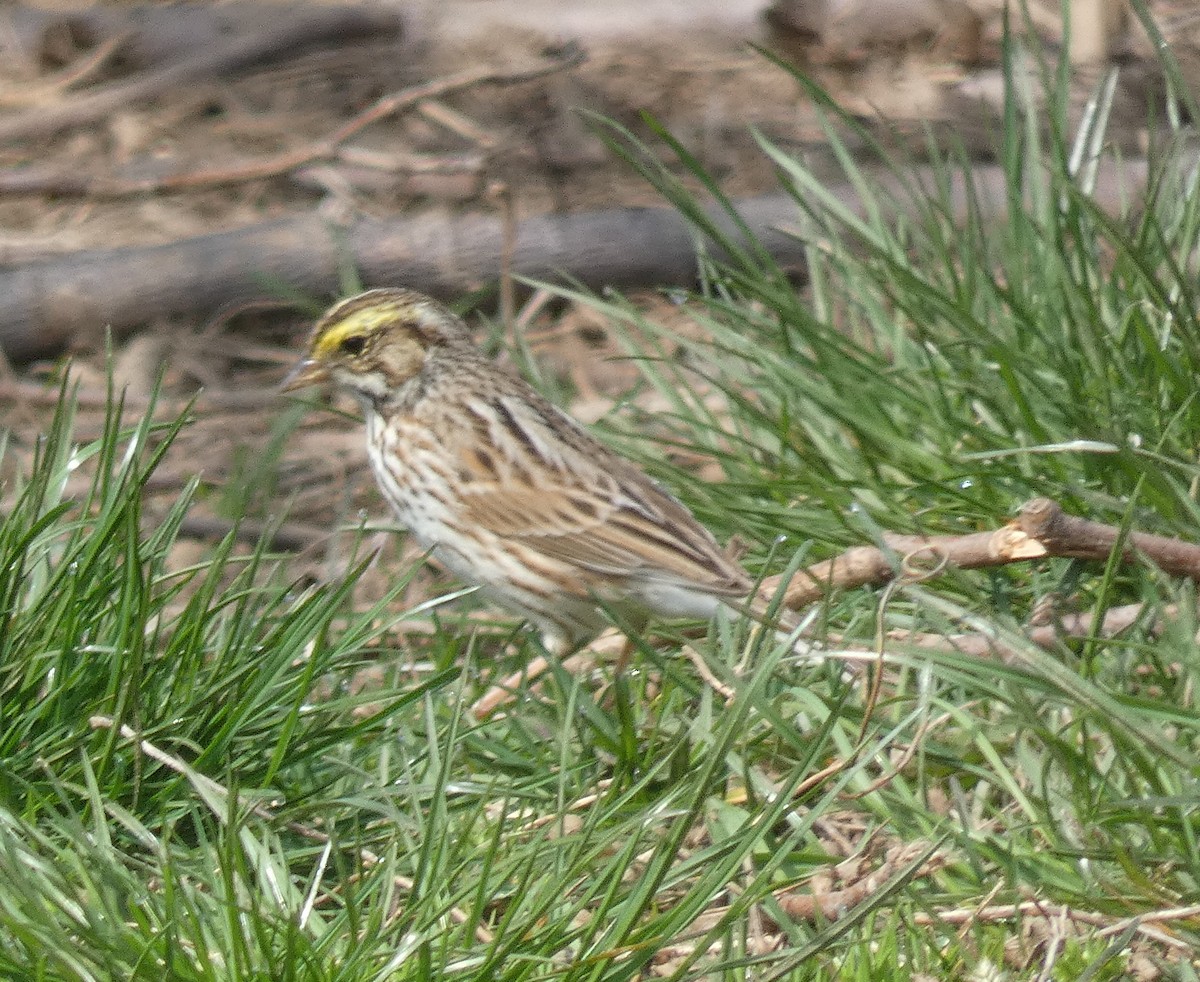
(1045,636)
(43,304)
(54,89)
(1036,908)
(1041,530)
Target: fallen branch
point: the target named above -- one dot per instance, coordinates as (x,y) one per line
(1040,530)
(1047,527)
(44,304)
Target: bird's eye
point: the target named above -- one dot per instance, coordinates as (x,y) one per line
(353,345)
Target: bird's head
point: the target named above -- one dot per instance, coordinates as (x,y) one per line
(373,343)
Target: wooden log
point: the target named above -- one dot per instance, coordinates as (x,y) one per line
(43,305)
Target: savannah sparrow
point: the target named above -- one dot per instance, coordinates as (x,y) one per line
(505,489)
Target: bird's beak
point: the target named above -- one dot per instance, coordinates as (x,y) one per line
(307,372)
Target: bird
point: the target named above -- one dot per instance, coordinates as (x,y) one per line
(503,488)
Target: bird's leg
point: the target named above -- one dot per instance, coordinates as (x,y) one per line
(623,658)
(502,692)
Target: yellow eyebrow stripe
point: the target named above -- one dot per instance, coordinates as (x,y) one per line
(359,322)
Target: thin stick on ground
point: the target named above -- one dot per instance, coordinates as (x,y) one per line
(1037,908)
(1076,624)
(73,75)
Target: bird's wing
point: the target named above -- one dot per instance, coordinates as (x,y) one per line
(610,539)
(552,487)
